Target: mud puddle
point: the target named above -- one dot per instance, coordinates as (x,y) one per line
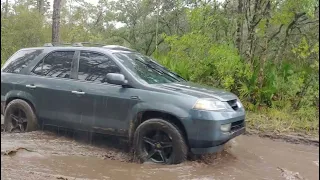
(48,155)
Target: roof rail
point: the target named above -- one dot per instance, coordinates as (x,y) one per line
(117,47)
(55,44)
(80,44)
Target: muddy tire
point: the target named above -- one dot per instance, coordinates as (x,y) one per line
(159,141)
(19,114)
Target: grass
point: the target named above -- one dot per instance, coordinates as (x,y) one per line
(281,122)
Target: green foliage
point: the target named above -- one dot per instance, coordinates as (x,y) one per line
(285,91)
(25,29)
(290,8)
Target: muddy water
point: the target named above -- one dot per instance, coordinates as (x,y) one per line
(47,155)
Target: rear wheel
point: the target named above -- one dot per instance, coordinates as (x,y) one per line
(159,141)
(19,117)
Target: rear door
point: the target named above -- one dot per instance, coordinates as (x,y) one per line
(103,107)
(51,79)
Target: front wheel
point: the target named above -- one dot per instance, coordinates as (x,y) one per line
(159,141)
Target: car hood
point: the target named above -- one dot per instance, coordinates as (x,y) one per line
(197,90)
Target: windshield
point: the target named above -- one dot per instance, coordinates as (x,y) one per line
(147,69)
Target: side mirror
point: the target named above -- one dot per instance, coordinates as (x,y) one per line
(115,78)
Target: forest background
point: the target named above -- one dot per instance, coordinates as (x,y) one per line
(264,51)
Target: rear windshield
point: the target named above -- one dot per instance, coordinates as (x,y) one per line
(20,60)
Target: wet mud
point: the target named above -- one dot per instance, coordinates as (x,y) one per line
(52,155)
(66,155)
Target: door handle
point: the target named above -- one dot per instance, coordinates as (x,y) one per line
(135,97)
(31,86)
(78,92)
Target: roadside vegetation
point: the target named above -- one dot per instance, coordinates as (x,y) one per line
(265,51)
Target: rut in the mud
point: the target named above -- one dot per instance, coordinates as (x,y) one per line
(47,155)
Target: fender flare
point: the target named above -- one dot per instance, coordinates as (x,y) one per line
(140,108)
(15,94)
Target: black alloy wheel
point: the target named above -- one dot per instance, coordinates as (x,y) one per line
(159,141)
(158,146)
(18,120)
(19,116)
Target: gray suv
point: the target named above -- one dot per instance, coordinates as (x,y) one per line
(118,91)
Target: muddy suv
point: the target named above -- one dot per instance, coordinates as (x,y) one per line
(118,91)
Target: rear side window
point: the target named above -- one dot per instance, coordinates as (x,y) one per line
(94,67)
(20,60)
(56,64)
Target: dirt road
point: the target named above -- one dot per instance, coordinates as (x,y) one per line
(48,155)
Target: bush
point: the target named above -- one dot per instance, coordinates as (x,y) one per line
(286,98)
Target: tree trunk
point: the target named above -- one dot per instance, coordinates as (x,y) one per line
(56,22)
(6,9)
(239,26)
(40,5)
(263,57)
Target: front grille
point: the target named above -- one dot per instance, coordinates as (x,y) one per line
(237,125)
(233,104)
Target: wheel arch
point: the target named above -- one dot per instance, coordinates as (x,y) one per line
(20,95)
(144,115)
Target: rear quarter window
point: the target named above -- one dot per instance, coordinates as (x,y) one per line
(20,60)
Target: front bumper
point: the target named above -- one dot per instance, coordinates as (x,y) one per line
(217,146)
(204,133)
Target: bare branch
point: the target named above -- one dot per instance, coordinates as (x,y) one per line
(276,33)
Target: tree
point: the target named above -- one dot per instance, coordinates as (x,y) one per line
(56,21)
(43,6)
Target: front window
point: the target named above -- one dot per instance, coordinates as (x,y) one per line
(144,68)
(94,67)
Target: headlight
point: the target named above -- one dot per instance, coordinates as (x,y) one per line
(211,105)
(239,104)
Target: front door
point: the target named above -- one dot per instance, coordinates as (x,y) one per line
(102,107)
